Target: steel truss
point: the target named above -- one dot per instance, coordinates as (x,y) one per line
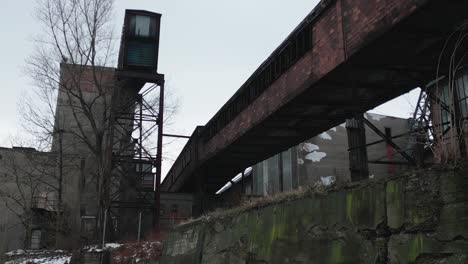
(136,164)
(422,117)
(421,133)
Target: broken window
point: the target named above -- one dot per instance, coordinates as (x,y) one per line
(142,26)
(287,170)
(462,90)
(445,114)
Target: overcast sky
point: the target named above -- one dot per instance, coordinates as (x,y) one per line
(208,49)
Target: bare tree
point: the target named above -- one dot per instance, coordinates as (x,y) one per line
(452,58)
(70,63)
(71,109)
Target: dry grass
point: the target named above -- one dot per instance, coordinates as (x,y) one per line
(317,189)
(260,202)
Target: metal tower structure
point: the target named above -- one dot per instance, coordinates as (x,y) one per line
(422,130)
(422,115)
(137,116)
(136,163)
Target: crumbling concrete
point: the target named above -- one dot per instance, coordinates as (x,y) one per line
(416,218)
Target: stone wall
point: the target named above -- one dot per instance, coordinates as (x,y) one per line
(417,218)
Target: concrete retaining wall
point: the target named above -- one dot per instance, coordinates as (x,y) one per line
(418,218)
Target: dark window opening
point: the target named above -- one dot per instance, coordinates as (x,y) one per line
(445,114)
(174,209)
(462,90)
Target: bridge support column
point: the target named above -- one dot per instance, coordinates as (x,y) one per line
(204,200)
(358,163)
(198,195)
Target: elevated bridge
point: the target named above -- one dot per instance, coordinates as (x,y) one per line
(346,57)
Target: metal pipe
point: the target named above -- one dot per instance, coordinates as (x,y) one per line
(140,151)
(383,162)
(104,229)
(280,167)
(389,141)
(242,183)
(379,141)
(157,189)
(176,136)
(139,226)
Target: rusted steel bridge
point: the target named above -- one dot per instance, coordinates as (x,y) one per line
(346,57)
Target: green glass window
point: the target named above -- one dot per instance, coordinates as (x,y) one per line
(141,54)
(462,90)
(445,114)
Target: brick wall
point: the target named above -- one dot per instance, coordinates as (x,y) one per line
(358,21)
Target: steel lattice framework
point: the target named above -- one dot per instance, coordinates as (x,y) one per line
(422,117)
(136,162)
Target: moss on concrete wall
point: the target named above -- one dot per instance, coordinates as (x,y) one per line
(417,218)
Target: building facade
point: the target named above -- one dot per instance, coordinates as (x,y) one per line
(36,212)
(324,159)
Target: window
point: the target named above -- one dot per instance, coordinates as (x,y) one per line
(445,114)
(174,209)
(88,225)
(36,239)
(286,158)
(141,54)
(462,90)
(140,26)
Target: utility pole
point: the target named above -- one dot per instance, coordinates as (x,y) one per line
(59,187)
(157,190)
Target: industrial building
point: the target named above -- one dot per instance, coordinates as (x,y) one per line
(318,82)
(29,198)
(325,160)
(100,181)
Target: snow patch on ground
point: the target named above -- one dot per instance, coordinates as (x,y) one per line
(15,252)
(333,129)
(19,252)
(98,248)
(40,260)
(316,156)
(325,136)
(113,245)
